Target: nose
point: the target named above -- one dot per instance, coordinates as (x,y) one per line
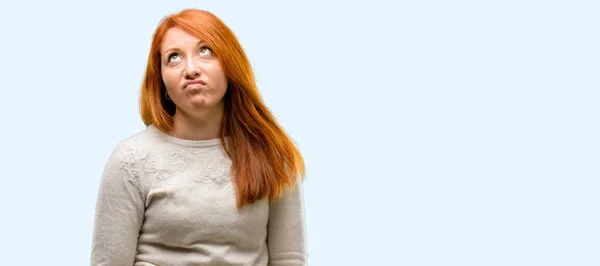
(192,69)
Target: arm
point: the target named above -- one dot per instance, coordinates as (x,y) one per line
(286,235)
(119,212)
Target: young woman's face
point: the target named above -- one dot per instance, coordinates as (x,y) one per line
(192,74)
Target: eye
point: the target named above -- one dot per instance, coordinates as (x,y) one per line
(172,57)
(205,50)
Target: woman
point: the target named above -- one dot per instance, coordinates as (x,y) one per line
(212,179)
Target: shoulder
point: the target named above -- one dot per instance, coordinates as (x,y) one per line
(142,140)
(149,151)
(131,150)
(129,158)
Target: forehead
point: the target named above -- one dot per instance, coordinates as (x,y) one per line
(178,38)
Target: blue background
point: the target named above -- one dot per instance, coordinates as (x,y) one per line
(434,132)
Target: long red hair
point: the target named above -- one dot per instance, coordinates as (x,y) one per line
(265,161)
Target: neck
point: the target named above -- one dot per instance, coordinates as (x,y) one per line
(188,127)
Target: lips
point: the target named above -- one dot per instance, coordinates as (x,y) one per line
(194,83)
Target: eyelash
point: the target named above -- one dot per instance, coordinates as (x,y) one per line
(175,53)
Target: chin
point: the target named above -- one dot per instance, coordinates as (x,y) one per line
(198,103)
(198,100)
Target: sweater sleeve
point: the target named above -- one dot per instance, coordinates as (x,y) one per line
(119,211)
(286,233)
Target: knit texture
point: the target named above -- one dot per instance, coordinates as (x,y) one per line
(168,201)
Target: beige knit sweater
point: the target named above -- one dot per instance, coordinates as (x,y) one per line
(168,201)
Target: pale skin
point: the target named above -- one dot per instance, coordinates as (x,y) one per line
(199,105)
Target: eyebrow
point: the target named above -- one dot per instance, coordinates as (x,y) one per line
(176,48)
